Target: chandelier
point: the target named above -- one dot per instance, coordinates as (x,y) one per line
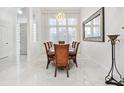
(60,16)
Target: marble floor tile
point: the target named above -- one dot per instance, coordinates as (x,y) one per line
(34,73)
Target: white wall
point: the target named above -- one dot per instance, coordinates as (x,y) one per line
(33,48)
(8,19)
(100,52)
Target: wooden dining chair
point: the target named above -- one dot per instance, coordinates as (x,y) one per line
(50,55)
(49,44)
(61,57)
(73,44)
(61,42)
(73,55)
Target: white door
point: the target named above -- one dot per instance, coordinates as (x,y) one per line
(3,42)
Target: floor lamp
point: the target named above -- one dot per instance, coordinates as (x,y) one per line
(109,79)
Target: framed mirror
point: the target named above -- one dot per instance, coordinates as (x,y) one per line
(93,27)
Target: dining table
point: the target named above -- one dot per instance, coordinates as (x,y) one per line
(71,51)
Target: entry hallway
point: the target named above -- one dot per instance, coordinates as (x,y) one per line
(23,72)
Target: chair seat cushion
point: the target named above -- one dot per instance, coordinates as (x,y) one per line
(72,53)
(51,53)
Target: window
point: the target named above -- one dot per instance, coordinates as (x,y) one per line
(72,21)
(62,34)
(52,22)
(53,34)
(62,22)
(64,30)
(72,34)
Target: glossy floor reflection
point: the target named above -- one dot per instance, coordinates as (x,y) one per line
(25,72)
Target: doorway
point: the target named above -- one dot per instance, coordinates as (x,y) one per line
(21,33)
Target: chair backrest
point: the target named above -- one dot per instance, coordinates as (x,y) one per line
(76,46)
(48,44)
(51,44)
(61,42)
(72,44)
(46,47)
(61,54)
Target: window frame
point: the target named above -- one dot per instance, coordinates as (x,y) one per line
(66,26)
